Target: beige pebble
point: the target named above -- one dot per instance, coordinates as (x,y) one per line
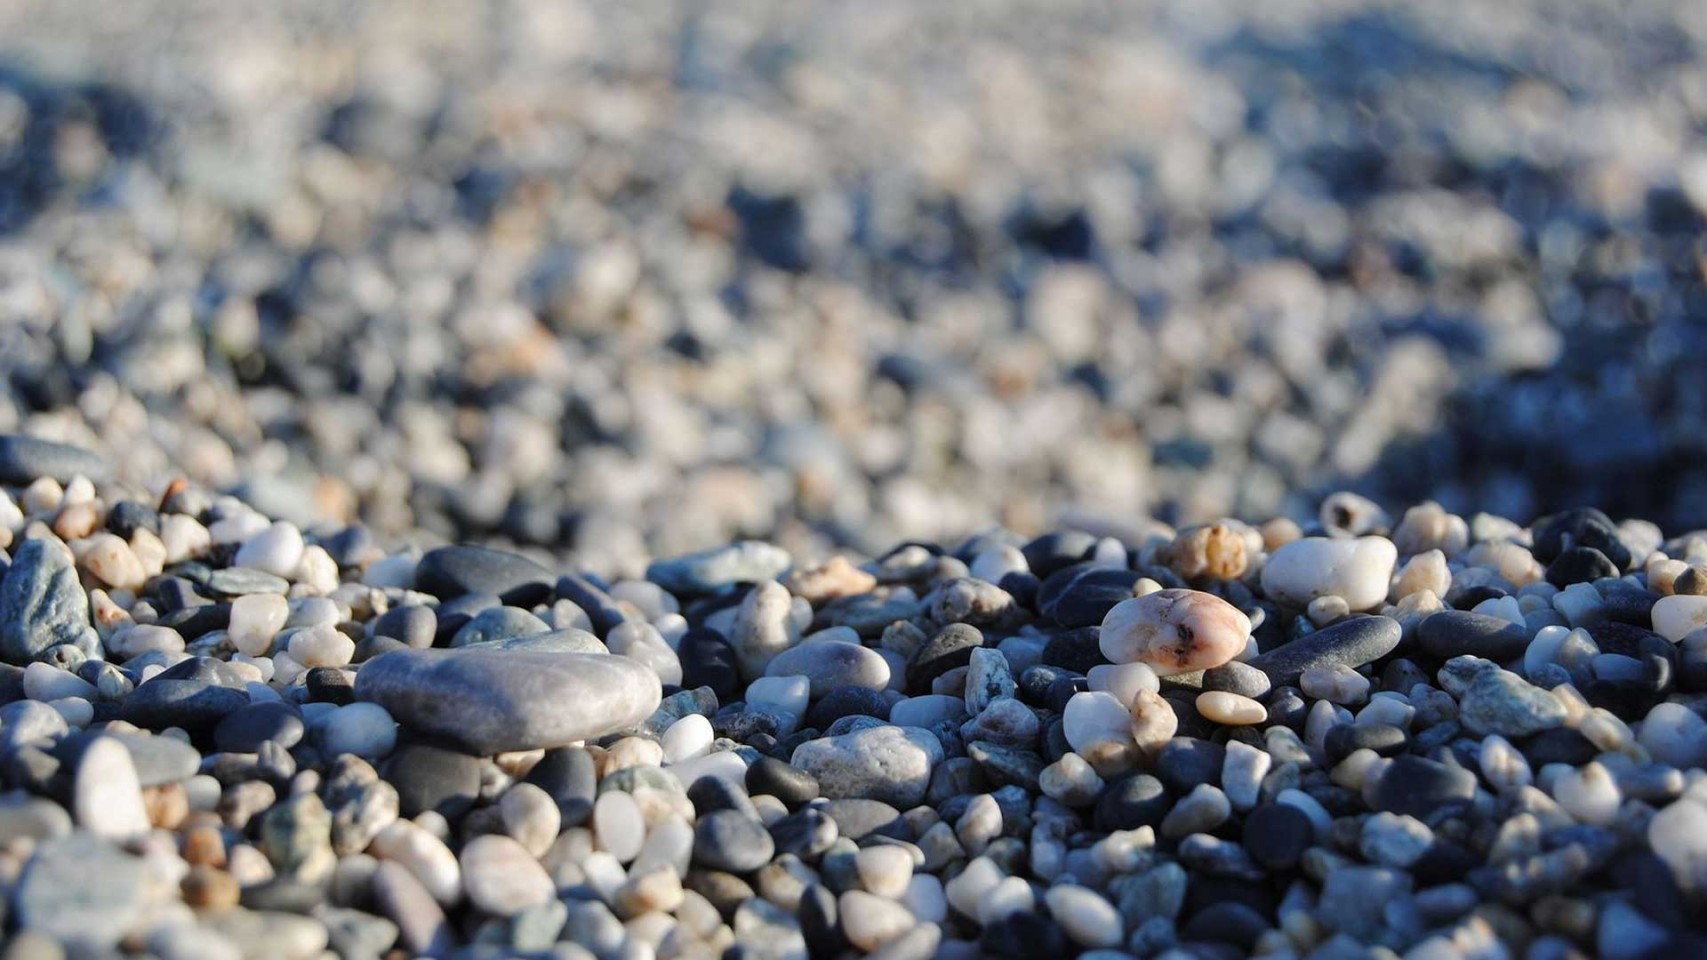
(111,561)
(1230,709)
(1210,551)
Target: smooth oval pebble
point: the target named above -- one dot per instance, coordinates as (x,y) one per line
(1174,631)
(1679,615)
(501,878)
(501,701)
(1220,706)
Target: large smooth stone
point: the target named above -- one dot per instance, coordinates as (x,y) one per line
(1353,641)
(24,459)
(499,701)
(450,572)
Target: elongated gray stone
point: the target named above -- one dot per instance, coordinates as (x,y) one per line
(23,459)
(494,701)
(42,605)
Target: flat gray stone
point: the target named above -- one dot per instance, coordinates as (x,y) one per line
(497,701)
(24,459)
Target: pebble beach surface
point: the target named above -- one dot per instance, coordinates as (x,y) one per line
(1426,736)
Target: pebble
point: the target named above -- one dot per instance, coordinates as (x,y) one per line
(42,605)
(1230,709)
(891,764)
(24,459)
(81,891)
(1352,642)
(502,878)
(1174,631)
(276,550)
(453,571)
(511,700)
(830,664)
(1357,570)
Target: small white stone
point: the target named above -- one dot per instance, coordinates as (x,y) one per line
(689,737)
(111,561)
(980,824)
(726,765)
(137,639)
(321,647)
(501,878)
(1242,773)
(1671,732)
(1505,769)
(1589,795)
(1071,780)
(1093,718)
(643,642)
(925,899)
(276,550)
(1007,897)
(1201,810)
(256,619)
(1678,835)
(969,886)
(425,857)
(994,563)
(1336,682)
(44,682)
(787,694)
(1085,916)
(669,845)
(619,824)
(316,570)
(1357,570)
(106,794)
(1123,680)
(183,537)
(870,921)
(530,816)
(1679,615)
(885,870)
(1503,608)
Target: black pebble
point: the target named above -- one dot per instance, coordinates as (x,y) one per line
(1277,835)
(330,685)
(128,516)
(570,776)
(1077,650)
(1185,762)
(429,777)
(450,572)
(1580,565)
(1139,800)
(769,776)
(1345,739)
(951,647)
(709,661)
(847,702)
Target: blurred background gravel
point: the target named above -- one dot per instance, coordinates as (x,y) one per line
(610,278)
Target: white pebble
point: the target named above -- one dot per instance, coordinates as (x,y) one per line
(1336,682)
(1123,680)
(687,738)
(1231,709)
(256,619)
(885,870)
(106,794)
(1007,897)
(1357,570)
(925,899)
(321,647)
(276,549)
(969,886)
(870,921)
(1085,916)
(1589,795)
(1679,615)
(44,682)
(619,824)
(425,857)
(501,877)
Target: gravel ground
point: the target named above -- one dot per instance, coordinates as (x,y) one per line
(853,403)
(616,279)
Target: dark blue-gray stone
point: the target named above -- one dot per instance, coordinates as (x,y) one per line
(42,605)
(449,572)
(1452,633)
(415,625)
(749,561)
(25,459)
(1353,641)
(731,840)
